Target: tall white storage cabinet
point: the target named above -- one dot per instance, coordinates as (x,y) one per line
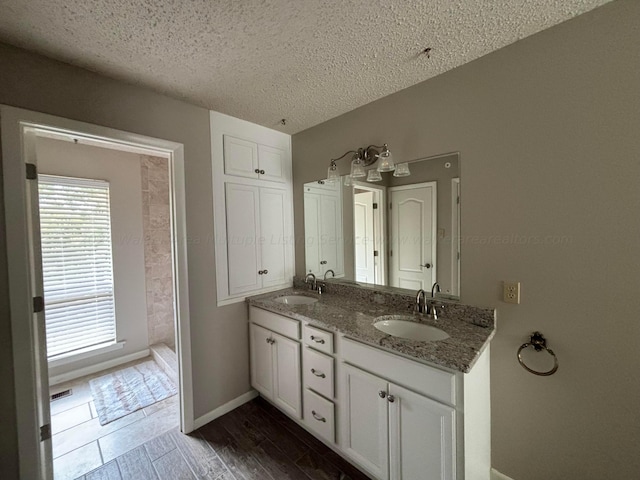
(253,208)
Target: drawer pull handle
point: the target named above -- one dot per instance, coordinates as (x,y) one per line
(316,339)
(318,417)
(318,374)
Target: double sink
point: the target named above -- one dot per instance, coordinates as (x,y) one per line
(403,326)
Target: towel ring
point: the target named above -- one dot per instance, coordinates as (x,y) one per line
(539,343)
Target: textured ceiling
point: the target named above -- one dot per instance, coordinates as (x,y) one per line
(303,60)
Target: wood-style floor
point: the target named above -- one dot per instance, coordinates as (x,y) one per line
(253,442)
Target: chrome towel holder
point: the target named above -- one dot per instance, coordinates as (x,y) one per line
(539,343)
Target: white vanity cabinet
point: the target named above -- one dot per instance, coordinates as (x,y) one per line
(393,417)
(275,360)
(405,420)
(324,247)
(253,208)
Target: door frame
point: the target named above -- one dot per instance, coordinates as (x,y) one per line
(455,236)
(380,227)
(29,382)
(434,221)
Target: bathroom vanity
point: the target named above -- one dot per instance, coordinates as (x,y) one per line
(397,408)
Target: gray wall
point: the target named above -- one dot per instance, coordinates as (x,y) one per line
(219,335)
(547,129)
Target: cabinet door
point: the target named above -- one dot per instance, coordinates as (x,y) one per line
(364,426)
(243,230)
(422,437)
(240,157)
(286,370)
(312,233)
(331,242)
(272,162)
(261,360)
(273,219)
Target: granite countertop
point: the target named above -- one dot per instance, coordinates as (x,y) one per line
(354,318)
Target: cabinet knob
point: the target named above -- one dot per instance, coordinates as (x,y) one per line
(257,170)
(261,172)
(323,262)
(391,398)
(264,272)
(318,417)
(382,393)
(260,272)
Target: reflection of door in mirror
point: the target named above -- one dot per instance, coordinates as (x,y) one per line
(368,224)
(412,232)
(324,243)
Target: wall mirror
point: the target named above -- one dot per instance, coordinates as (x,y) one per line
(401,231)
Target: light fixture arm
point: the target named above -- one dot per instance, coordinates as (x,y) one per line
(334,160)
(368,155)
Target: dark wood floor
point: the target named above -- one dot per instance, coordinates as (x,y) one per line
(253,442)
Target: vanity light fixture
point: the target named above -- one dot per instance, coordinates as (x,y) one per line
(365,157)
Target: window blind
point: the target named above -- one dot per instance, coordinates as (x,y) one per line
(77,267)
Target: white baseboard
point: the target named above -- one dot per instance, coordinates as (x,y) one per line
(226,408)
(81,372)
(496,475)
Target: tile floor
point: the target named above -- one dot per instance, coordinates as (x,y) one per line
(81,444)
(253,442)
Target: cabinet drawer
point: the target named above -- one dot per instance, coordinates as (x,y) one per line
(318,339)
(429,381)
(318,372)
(274,322)
(319,415)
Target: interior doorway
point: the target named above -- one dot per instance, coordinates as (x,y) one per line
(21,132)
(369,234)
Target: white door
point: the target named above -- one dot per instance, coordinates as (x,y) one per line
(240,157)
(365,428)
(273,207)
(243,227)
(412,231)
(286,369)
(272,164)
(261,360)
(312,232)
(421,437)
(364,233)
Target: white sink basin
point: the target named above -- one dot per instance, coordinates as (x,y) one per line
(402,326)
(295,300)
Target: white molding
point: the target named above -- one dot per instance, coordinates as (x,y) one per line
(496,475)
(98,367)
(224,409)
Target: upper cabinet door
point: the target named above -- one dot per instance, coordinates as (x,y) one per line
(243,231)
(273,222)
(240,157)
(422,437)
(272,164)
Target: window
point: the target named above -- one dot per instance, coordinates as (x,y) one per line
(75,228)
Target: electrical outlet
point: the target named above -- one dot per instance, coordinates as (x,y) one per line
(511,292)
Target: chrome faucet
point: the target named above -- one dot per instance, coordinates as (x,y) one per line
(419,308)
(314,285)
(333,274)
(432,306)
(435,289)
